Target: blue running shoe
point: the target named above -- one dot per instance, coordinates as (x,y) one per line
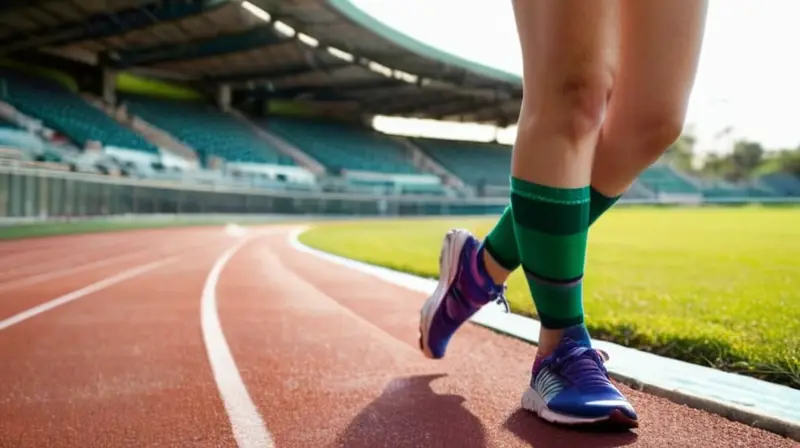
(464,287)
(571,387)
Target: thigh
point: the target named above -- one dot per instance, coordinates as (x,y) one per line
(568,54)
(565,44)
(659,50)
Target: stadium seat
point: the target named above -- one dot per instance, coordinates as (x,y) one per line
(784,184)
(5,124)
(66,112)
(662,178)
(206,129)
(339,146)
(718,188)
(472,162)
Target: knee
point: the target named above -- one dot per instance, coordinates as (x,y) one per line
(572,106)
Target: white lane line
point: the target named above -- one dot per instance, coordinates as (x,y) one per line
(52,275)
(104,262)
(94,287)
(248,427)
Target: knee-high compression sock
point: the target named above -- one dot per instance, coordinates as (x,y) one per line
(501,242)
(551,227)
(599,204)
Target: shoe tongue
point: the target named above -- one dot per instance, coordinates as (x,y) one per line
(578,335)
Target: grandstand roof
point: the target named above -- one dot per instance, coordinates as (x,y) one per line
(322,50)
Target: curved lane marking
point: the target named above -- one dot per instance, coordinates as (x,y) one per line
(247,426)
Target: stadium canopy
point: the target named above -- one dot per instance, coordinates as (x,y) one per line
(316,50)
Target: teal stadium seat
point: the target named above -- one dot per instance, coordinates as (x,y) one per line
(206,129)
(662,179)
(722,189)
(339,146)
(5,124)
(67,113)
(784,184)
(472,162)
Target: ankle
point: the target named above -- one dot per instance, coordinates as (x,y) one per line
(497,273)
(549,339)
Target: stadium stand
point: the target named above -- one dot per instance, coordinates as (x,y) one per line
(638,191)
(6,124)
(462,159)
(206,129)
(66,112)
(783,184)
(343,147)
(367,159)
(663,179)
(718,188)
(225,93)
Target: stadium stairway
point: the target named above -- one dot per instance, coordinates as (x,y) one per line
(638,190)
(366,159)
(463,158)
(301,158)
(208,130)
(158,137)
(426,164)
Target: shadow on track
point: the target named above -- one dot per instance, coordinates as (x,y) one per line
(410,414)
(540,434)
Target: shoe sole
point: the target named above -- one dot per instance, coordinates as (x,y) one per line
(533,402)
(449,256)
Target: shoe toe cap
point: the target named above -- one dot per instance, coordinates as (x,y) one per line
(592,405)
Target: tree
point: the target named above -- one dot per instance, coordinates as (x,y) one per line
(747,156)
(681,153)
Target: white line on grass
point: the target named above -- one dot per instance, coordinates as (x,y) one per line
(75,295)
(248,427)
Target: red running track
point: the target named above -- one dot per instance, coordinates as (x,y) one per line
(289,351)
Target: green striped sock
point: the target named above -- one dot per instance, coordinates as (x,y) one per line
(599,204)
(502,244)
(551,227)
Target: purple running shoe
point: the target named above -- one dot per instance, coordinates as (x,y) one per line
(464,287)
(571,387)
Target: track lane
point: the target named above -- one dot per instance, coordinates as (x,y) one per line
(62,253)
(125,366)
(28,253)
(26,292)
(329,356)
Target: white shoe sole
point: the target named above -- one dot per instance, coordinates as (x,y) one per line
(452,245)
(532,401)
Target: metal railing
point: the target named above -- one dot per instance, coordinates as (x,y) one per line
(44,194)
(26,192)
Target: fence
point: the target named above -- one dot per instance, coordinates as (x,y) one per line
(26,192)
(44,194)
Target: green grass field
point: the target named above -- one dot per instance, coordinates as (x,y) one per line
(713,286)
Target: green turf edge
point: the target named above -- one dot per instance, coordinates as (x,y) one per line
(716,354)
(57,228)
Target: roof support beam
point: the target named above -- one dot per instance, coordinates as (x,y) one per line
(415,105)
(258,37)
(10,5)
(104,25)
(273,75)
(339,90)
(498,112)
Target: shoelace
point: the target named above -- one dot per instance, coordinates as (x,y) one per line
(583,367)
(499,298)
